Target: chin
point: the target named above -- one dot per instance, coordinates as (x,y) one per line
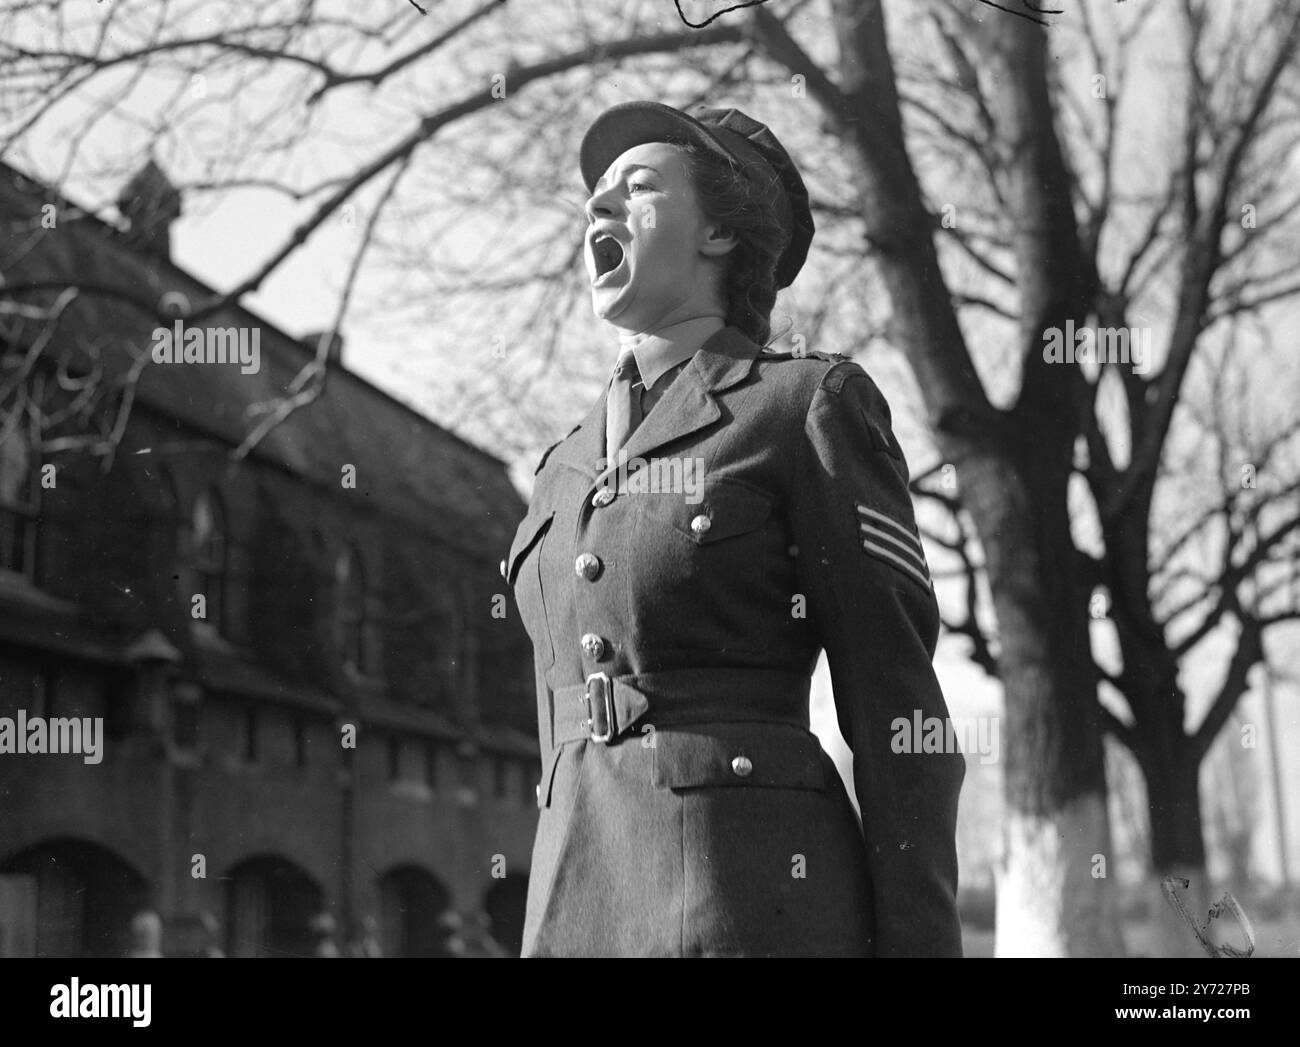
(607,309)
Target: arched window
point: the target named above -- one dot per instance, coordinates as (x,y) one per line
(412,902)
(270,903)
(208,549)
(356,618)
(19,502)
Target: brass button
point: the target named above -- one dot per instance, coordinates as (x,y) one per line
(503,568)
(537,790)
(742,766)
(593,646)
(700,525)
(602,497)
(587,565)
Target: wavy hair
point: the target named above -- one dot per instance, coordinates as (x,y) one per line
(744,207)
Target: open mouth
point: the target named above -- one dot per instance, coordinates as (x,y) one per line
(607,253)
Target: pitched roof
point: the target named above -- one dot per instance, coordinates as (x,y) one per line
(406,465)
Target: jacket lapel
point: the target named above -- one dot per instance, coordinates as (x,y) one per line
(586,445)
(688,406)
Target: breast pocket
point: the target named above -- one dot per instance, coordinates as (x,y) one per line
(729,509)
(524,575)
(705,568)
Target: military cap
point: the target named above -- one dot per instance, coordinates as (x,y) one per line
(726,132)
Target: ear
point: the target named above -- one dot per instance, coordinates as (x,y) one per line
(718,240)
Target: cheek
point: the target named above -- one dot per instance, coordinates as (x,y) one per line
(669,239)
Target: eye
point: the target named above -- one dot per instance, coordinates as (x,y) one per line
(635,186)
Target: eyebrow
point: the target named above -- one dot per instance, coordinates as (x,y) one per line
(628,170)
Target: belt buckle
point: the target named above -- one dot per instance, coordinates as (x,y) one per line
(600,732)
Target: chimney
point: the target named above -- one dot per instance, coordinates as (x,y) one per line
(150,203)
(334,355)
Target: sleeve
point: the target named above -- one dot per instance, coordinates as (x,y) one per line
(863,571)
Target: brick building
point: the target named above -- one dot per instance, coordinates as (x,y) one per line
(236,624)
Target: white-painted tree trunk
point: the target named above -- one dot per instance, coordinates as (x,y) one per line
(1052,897)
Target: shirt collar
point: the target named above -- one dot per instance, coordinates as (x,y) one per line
(658,352)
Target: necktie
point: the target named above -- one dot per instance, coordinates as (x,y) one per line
(622,404)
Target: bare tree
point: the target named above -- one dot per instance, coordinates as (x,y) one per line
(1065,234)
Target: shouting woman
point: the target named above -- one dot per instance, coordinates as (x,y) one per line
(721,515)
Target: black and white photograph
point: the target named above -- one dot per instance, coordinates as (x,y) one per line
(604,479)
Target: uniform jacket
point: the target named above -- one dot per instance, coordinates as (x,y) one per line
(686,809)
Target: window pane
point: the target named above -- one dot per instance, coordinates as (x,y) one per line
(352,629)
(18,495)
(208,554)
(15,461)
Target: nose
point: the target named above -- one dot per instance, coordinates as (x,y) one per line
(598,205)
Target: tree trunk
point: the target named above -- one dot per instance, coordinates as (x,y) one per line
(1172,774)
(1055,892)
(1013,469)
(1168,758)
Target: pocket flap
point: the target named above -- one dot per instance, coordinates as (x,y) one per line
(748,755)
(729,509)
(530,529)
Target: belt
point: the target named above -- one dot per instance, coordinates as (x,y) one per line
(605,707)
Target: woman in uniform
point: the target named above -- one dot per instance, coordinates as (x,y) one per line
(721,515)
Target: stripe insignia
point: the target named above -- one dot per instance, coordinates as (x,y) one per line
(886,539)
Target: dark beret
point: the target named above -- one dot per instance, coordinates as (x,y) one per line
(728,132)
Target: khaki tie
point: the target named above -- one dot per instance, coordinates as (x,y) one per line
(622,404)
